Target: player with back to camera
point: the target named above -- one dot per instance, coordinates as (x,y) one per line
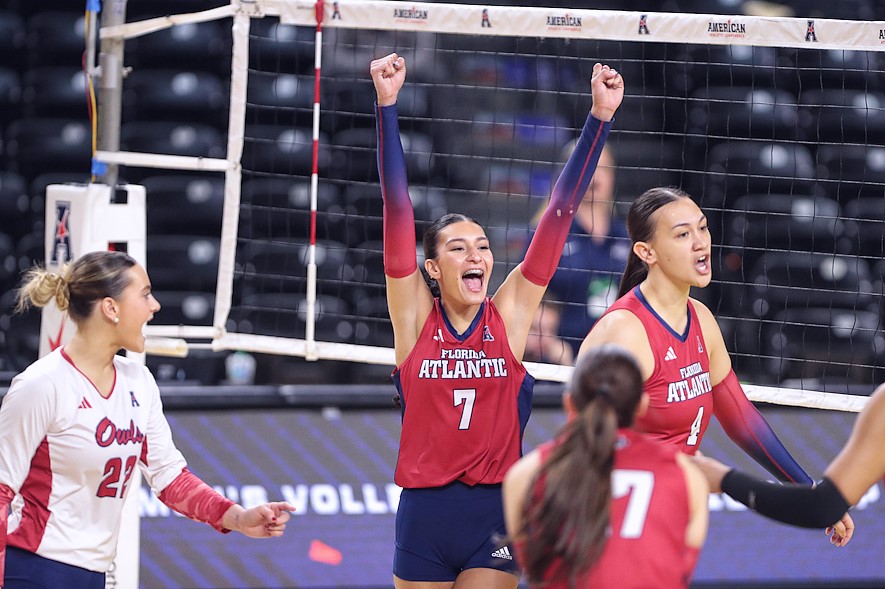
(857,467)
(466,395)
(77,422)
(603,505)
(676,340)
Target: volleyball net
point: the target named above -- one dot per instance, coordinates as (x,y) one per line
(774,125)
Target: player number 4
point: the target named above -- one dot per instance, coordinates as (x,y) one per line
(695,432)
(465,397)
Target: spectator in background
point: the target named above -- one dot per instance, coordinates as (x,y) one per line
(544,344)
(593,259)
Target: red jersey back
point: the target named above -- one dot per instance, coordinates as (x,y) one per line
(649,516)
(466,400)
(679,387)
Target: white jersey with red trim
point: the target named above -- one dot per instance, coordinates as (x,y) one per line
(69,453)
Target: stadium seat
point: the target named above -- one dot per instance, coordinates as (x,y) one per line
(199,368)
(281,267)
(12,39)
(39,146)
(10,95)
(9,272)
(16,216)
(178,95)
(865,220)
(355,155)
(279,209)
(371,322)
(738,168)
(283,150)
(821,342)
(834,68)
(643,163)
(843,115)
(173,138)
(365,264)
(799,280)
(781,222)
(19,334)
(272,97)
(55,92)
(729,65)
(190,204)
(285,315)
(204,46)
(183,262)
(851,171)
(719,113)
(278,47)
(56,38)
(184,307)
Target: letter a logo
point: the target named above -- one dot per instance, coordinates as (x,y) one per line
(810,35)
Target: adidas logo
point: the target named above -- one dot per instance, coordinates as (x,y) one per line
(502,553)
(84,404)
(670,355)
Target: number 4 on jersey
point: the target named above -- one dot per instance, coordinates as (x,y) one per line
(695,431)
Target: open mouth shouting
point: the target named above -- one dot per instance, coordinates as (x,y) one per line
(473,279)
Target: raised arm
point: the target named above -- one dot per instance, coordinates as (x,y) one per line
(523,289)
(409,300)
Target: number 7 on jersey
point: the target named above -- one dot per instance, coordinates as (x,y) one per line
(465,397)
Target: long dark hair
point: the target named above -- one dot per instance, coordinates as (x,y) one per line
(641,227)
(566,522)
(431,241)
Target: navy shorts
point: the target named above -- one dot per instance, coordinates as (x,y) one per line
(26,570)
(442,531)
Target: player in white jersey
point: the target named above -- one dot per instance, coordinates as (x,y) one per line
(76,423)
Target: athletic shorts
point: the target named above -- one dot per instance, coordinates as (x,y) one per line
(442,531)
(26,570)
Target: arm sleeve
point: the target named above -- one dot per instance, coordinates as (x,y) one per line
(799,505)
(545,249)
(6,496)
(191,497)
(745,425)
(400,259)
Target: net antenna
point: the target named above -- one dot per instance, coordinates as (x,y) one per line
(317,296)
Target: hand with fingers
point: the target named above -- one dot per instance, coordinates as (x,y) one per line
(267,520)
(607,87)
(388,74)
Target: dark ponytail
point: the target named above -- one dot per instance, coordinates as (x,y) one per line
(566,522)
(641,227)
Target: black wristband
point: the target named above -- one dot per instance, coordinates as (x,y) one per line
(799,505)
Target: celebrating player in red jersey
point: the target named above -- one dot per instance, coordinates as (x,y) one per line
(679,346)
(603,505)
(859,466)
(74,425)
(466,395)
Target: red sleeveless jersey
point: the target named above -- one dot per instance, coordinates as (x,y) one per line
(679,387)
(466,400)
(649,516)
